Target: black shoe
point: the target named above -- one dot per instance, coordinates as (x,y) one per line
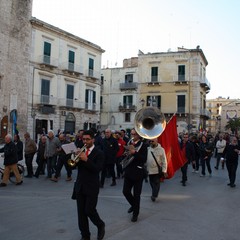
(184,184)
(28,176)
(153,198)
(19,183)
(134,218)
(101,232)
(113,183)
(229,184)
(3,184)
(233,185)
(130,210)
(216,168)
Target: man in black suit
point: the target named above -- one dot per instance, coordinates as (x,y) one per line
(134,174)
(86,187)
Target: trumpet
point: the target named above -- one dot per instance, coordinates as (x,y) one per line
(73,162)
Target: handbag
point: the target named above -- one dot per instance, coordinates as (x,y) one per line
(160,172)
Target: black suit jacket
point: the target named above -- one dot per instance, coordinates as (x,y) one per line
(88,173)
(135,170)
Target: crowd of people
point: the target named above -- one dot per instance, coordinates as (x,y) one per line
(115,155)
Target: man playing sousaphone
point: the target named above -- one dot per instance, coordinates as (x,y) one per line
(134,174)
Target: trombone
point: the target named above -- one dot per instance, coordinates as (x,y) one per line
(73,162)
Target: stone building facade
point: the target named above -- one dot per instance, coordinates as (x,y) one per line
(15,46)
(175,82)
(65,91)
(222,110)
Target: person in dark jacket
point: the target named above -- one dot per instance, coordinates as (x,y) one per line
(188,152)
(134,174)
(62,160)
(206,151)
(41,159)
(86,187)
(10,161)
(110,148)
(231,153)
(19,145)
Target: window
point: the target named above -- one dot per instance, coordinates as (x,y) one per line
(154,74)
(102,80)
(181,103)
(128,78)
(45,91)
(154,101)
(71,59)
(181,73)
(90,67)
(47,52)
(90,99)
(127,101)
(127,117)
(70,95)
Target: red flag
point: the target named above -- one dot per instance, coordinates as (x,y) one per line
(169,141)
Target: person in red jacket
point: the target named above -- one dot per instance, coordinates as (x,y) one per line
(121,144)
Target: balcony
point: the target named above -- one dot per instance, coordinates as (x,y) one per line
(92,74)
(47,61)
(70,103)
(46,100)
(127,108)
(72,68)
(205,113)
(205,84)
(181,110)
(128,86)
(180,79)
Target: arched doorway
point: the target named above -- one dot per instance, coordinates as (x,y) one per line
(4,126)
(70,123)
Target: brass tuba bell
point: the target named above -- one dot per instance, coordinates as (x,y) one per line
(149,122)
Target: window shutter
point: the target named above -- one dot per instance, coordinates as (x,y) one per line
(86,95)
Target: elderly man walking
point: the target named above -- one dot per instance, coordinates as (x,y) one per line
(53,144)
(10,161)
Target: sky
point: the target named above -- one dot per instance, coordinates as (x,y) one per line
(123,27)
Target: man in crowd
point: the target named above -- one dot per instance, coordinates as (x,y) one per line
(110,148)
(51,150)
(10,161)
(30,150)
(62,160)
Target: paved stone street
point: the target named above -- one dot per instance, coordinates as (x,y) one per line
(205,209)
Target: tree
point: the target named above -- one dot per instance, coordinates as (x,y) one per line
(234,125)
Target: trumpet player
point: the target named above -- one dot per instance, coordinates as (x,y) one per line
(86,187)
(134,174)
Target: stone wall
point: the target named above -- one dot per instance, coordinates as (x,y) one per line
(15,44)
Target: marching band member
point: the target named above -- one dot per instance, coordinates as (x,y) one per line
(134,174)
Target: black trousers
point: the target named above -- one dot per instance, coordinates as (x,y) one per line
(184,172)
(132,190)
(204,163)
(86,208)
(108,168)
(28,162)
(51,165)
(232,169)
(41,163)
(62,160)
(154,180)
